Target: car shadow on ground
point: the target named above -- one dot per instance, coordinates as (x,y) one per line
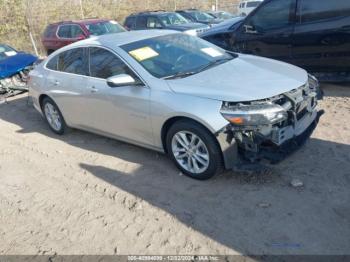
(249,213)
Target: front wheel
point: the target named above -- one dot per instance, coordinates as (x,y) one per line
(194,150)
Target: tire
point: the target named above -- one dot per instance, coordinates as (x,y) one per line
(207,155)
(52,113)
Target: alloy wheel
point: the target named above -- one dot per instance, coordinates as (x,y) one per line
(53,117)
(190,152)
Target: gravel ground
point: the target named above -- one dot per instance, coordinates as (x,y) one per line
(86,194)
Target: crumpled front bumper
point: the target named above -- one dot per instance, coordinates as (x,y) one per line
(276,142)
(293,138)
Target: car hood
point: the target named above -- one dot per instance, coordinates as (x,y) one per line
(13,64)
(226,26)
(211,22)
(245,78)
(184,27)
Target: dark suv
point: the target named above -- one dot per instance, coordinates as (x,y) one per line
(198,16)
(163,20)
(64,33)
(312,34)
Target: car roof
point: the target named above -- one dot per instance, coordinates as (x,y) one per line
(119,39)
(145,13)
(82,21)
(188,10)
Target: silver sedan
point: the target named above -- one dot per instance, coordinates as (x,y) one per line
(207,108)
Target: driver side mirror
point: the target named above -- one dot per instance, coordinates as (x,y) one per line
(250,29)
(121,80)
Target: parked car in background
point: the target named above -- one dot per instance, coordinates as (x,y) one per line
(312,34)
(64,33)
(14,69)
(209,109)
(163,20)
(219,34)
(223,15)
(246,7)
(198,16)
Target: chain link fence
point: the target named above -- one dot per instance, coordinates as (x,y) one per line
(23,21)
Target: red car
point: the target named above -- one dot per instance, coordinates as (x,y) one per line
(64,33)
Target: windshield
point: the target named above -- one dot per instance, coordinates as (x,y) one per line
(6,51)
(201,16)
(104,28)
(253,4)
(176,55)
(173,19)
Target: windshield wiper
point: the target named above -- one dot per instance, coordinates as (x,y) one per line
(203,68)
(180,75)
(214,63)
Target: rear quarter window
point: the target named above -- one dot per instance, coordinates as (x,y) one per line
(316,10)
(52,63)
(50,31)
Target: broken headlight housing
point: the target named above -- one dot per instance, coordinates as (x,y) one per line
(312,82)
(253,115)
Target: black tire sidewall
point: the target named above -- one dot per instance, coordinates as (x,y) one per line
(63,126)
(215,156)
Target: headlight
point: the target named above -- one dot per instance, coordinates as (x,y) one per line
(192,32)
(314,86)
(254,115)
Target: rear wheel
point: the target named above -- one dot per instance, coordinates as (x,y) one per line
(194,150)
(53,116)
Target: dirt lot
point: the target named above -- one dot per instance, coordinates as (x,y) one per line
(85,194)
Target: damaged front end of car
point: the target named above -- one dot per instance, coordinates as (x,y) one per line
(271,128)
(14,69)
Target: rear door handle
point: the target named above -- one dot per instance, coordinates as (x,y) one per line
(55,82)
(94,89)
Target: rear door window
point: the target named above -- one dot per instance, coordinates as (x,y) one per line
(73,61)
(76,31)
(64,31)
(316,10)
(70,31)
(153,22)
(141,22)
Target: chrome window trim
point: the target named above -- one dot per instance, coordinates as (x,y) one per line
(92,77)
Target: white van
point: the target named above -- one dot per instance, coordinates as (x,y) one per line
(245,7)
